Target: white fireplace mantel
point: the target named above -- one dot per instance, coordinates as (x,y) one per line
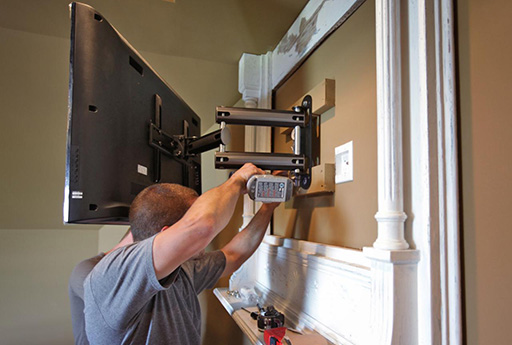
(374,296)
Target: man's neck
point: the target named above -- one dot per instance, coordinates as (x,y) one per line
(128,239)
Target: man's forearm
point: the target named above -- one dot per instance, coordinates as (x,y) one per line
(215,207)
(245,243)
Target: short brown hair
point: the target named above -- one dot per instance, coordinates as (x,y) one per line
(157,206)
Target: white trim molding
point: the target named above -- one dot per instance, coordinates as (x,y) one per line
(318,287)
(315,23)
(394,311)
(433,189)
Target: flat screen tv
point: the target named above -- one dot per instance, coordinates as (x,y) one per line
(119,112)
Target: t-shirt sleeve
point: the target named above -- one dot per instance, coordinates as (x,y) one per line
(80,272)
(122,283)
(76,296)
(206,270)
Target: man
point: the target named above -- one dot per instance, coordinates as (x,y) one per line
(76,290)
(146,293)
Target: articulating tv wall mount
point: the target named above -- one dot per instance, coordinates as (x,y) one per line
(181,147)
(306,137)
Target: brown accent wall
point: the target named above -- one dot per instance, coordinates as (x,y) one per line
(485,78)
(347,217)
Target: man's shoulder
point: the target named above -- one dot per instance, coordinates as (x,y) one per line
(118,289)
(81,271)
(125,259)
(83,268)
(84,264)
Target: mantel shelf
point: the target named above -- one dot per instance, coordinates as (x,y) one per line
(234,305)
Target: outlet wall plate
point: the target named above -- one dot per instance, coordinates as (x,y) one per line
(344,161)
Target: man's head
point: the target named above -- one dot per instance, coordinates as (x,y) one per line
(157,206)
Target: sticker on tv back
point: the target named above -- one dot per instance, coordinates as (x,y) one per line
(77,195)
(141,169)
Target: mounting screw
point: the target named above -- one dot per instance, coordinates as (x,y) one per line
(305,181)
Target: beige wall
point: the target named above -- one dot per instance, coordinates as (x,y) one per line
(33,95)
(348,56)
(34,267)
(485,56)
(38,252)
(202,84)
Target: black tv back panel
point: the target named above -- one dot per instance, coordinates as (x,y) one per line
(116,102)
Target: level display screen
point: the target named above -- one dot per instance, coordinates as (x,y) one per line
(271,190)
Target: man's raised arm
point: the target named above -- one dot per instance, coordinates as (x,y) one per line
(207,216)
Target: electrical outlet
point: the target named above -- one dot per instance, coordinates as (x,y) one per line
(344,163)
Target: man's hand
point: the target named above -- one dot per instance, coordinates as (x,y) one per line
(280,173)
(243,175)
(271,206)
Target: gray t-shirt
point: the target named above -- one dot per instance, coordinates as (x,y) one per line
(126,304)
(76,296)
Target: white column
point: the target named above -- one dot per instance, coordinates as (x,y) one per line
(249,86)
(394,306)
(263,134)
(390,216)
(254,85)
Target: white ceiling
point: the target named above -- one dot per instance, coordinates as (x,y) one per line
(216,30)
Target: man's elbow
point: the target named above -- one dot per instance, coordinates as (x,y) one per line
(203,226)
(233,262)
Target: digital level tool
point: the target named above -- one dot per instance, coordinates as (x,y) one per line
(269,188)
